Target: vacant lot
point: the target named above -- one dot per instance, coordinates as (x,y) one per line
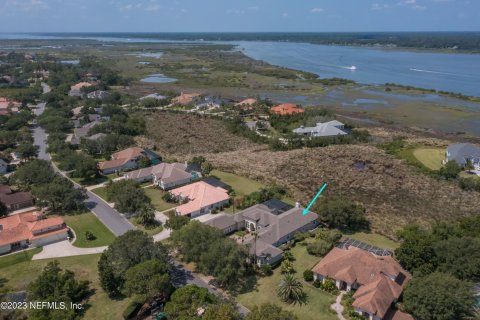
(318,302)
(82,223)
(241,185)
(392,192)
(99,305)
(186,135)
(430,157)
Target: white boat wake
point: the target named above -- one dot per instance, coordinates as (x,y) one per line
(430,71)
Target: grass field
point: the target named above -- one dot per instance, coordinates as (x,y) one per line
(375,240)
(241,185)
(156,195)
(99,305)
(10,260)
(89,222)
(430,157)
(318,302)
(101,192)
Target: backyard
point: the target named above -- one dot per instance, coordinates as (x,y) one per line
(84,222)
(318,302)
(430,157)
(375,240)
(241,185)
(99,306)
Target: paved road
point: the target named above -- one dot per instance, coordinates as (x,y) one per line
(109,216)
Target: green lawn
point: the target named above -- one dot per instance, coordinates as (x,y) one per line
(99,306)
(12,259)
(430,157)
(150,230)
(155,195)
(318,302)
(89,222)
(90,182)
(241,185)
(375,240)
(101,192)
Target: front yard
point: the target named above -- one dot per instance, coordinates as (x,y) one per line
(99,306)
(156,194)
(318,302)
(88,222)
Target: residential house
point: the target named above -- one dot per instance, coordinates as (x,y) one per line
(326,129)
(165,175)
(127,160)
(186,98)
(463,153)
(286,109)
(225,222)
(8,106)
(30,229)
(76,90)
(3,166)
(378,280)
(199,198)
(79,133)
(15,200)
(270,225)
(209,102)
(98,94)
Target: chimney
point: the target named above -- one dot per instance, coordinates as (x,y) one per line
(297,204)
(1,227)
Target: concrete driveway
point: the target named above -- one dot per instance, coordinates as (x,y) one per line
(65,249)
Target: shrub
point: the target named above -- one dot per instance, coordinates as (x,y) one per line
(319,248)
(266,269)
(89,236)
(317,283)
(287,267)
(329,286)
(332,236)
(131,310)
(308,275)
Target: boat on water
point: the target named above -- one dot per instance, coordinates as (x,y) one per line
(351,68)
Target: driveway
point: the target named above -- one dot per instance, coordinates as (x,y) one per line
(65,249)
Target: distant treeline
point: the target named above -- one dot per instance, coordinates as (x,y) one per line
(465,41)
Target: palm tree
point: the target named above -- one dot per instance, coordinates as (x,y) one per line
(146,215)
(291,290)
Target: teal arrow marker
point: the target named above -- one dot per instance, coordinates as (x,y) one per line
(305,211)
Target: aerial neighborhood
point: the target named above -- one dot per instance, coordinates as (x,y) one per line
(175,201)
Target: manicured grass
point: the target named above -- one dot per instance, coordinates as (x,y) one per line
(375,240)
(241,185)
(101,192)
(156,195)
(99,306)
(12,259)
(430,157)
(150,230)
(318,302)
(89,222)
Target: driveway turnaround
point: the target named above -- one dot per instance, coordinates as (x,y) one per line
(65,249)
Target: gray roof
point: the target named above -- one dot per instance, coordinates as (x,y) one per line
(96,136)
(98,94)
(155,96)
(221,221)
(460,152)
(166,172)
(2,162)
(263,249)
(277,219)
(326,129)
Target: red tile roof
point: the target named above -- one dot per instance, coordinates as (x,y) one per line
(121,157)
(381,279)
(200,195)
(286,109)
(26,226)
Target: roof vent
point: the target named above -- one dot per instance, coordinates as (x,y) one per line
(1,227)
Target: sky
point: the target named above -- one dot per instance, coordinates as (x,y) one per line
(238,15)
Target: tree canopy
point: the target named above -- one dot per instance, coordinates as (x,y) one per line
(341,213)
(269,311)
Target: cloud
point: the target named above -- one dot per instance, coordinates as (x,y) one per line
(26,5)
(418,7)
(153,7)
(378,6)
(413,4)
(317,10)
